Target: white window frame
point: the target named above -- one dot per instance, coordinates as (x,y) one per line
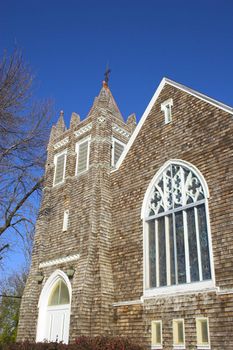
(65,221)
(201,346)
(77,154)
(157,345)
(166,107)
(55,167)
(174,322)
(179,288)
(114,139)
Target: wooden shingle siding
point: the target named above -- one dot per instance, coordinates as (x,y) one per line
(106,230)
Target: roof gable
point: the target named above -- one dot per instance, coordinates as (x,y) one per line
(154,99)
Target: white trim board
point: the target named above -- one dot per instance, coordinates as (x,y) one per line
(128,302)
(152,102)
(60,260)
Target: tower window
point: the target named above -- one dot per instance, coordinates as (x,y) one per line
(117,150)
(166,107)
(60,165)
(202,327)
(156,334)
(82,150)
(65,220)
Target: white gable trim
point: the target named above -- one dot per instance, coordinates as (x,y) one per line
(202,97)
(152,102)
(141,122)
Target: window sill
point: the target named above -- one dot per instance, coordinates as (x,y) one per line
(81,172)
(58,184)
(203,347)
(156,347)
(180,289)
(178,347)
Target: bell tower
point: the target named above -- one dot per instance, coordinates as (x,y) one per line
(73,231)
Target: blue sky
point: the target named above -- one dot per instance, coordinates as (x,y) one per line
(68,44)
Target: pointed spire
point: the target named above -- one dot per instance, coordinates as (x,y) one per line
(131,121)
(105,85)
(75,120)
(53,134)
(60,126)
(106,100)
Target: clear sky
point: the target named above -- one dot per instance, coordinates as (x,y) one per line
(68,44)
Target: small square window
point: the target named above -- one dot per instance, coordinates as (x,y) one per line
(202,326)
(166,107)
(178,334)
(156,334)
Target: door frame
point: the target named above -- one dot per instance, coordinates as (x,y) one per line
(43,304)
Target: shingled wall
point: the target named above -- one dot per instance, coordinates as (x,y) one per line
(107,231)
(201,134)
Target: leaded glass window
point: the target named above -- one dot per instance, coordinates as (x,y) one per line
(177,235)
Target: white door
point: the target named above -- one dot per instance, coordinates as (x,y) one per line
(57,324)
(54,314)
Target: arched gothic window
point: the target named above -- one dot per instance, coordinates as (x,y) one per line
(177,244)
(59,294)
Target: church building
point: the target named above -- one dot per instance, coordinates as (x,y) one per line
(134,236)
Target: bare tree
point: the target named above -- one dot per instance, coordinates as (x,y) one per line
(23,136)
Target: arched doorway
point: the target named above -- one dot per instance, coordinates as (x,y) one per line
(54,309)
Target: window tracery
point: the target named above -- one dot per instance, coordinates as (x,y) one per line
(177,242)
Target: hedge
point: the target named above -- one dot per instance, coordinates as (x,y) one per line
(81,343)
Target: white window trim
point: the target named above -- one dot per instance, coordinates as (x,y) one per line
(157,346)
(77,154)
(114,139)
(166,107)
(191,287)
(176,346)
(64,169)
(180,288)
(65,221)
(201,346)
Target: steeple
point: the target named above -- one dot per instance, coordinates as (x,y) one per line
(106,100)
(60,126)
